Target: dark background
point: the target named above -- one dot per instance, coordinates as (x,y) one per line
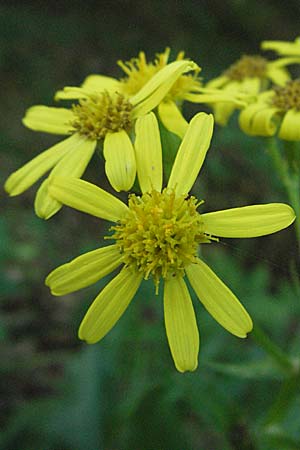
(124,393)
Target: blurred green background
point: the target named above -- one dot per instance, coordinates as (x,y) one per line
(124,393)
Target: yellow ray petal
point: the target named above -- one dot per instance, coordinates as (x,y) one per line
(181,325)
(248,221)
(172,118)
(282,62)
(73,164)
(48,119)
(148,153)
(215,96)
(218,299)
(84,270)
(87,197)
(120,164)
(72,93)
(28,174)
(101,83)
(223,111)
(250,85)
(290,126)
(109,306)
(191,153)
(217,82)
(158,86)
(282,47)
(278,75)
(45,206)
(258,120)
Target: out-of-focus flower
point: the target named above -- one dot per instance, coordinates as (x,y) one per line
(251,74)
(275,110)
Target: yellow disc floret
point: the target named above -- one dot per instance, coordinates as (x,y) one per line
(102,113)
(288,96)
(160,234)
(139,71)
(248,66)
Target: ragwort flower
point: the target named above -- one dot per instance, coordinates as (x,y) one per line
(157,236)
(275,110)
(106,116)
(251,74)
(138,71)
(283,48)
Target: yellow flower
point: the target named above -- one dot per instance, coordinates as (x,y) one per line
(106,116)
(139,71)
(283,47)
(157,237)
(276,109)
(251,74)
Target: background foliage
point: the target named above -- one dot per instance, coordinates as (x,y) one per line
(124,393)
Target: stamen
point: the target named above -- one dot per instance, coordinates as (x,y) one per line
(102,113)
(248,66)
(288,96)
(160,235)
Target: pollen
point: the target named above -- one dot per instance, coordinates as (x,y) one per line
(160,234)
(99,114)
(139,71)
(288,96)
(248,66)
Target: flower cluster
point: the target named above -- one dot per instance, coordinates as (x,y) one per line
(157,234)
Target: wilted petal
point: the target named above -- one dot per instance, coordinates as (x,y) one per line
(290,126)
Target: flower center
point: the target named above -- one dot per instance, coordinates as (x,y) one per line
(288,96)
(102,113)
(160,234)
(247,66)
(139,71)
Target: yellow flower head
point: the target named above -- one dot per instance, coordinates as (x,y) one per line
(251,74)
(138,72)
(275,110)
(156,237)
(106,115)
(283,48)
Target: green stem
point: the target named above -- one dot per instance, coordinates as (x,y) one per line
(290,178)
(272,349)
(284,398)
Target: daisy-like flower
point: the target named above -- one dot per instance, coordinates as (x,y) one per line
(283,48)
(106,116)
(275,110)
(156,236)
(251,74)
(138,71)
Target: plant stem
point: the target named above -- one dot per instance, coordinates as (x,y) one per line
(289,176)
(272,349)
